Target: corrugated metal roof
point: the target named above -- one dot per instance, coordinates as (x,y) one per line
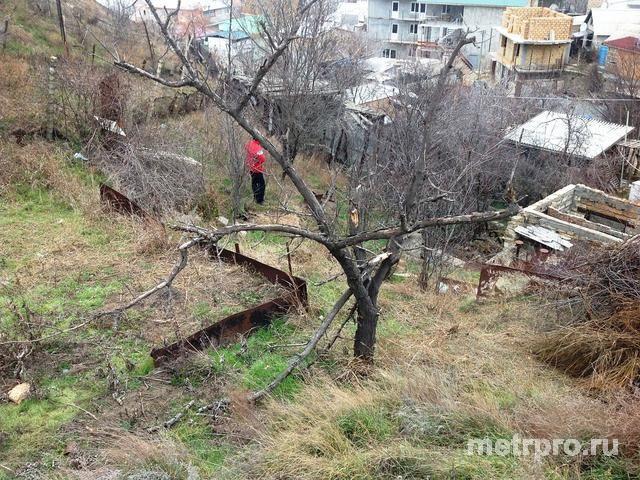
(370,92)
(559,132)
(544,236)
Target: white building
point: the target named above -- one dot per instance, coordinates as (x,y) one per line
(404,28)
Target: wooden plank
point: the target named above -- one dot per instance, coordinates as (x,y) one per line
(583,222)
(626,214)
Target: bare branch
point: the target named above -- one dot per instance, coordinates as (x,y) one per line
(311,344)
(143,73)
(391,232)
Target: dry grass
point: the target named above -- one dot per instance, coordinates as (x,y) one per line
(601,342)
(22,87)
(443,376)
(38,166)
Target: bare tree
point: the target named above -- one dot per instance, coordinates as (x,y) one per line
(121,14)
(364,278)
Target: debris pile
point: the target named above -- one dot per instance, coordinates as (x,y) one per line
(158,181)
(601,293)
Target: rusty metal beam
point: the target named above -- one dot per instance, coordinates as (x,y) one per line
(121,203)
(229,328)
(489,273)
(245,322)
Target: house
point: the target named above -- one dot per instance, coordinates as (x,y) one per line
(622,58)
(571,135)
(216,12)
(189,23)
(350,16)
(534,43)
(219,42)
(604,22)
(406,28)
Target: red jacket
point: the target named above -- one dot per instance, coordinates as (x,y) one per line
(255,157)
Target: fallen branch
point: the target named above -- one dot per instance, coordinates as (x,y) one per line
(46,337)
(337,334)
(173,420)
(217,407)
(166,283)
(311,344)
(70,404)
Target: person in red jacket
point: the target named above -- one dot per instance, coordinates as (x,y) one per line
(255,163)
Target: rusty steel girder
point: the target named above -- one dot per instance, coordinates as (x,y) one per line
(243,323)
(121,203)
(238,324)
(489,274)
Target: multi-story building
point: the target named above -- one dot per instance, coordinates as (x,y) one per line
(215,13)
(534,44)
(405,28)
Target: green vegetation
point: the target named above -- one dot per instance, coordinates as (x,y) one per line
(366,424)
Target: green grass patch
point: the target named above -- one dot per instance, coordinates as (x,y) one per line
(206,448)
(367,424)
(34,426)
(253,366)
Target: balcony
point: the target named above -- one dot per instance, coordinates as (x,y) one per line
(444,20)
(404,37)
(410,16)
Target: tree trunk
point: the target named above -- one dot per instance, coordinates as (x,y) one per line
(365,339)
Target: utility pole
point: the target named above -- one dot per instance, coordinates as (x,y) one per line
(63,33)
(229,74)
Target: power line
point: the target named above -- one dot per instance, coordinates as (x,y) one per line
(582,99)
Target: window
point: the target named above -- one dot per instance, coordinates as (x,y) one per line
(385,53)
(427,34)
(423,8)
(413,28)
(392,54)
(503,42)
(394,28)
(414,7)
(395,6)
(446,8)
(516,51)
(444,31)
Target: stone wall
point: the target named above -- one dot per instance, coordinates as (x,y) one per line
(567,222)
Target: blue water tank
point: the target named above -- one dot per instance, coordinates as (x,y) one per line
(602,55)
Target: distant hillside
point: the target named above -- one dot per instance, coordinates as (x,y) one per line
(34,29)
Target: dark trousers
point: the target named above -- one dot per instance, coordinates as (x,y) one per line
(258,186)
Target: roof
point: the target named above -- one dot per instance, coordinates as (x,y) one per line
(627,42)
(559,132)
(385,69)
(234,35)
(482,3)
(370,92)
(610,21)
(246,23)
